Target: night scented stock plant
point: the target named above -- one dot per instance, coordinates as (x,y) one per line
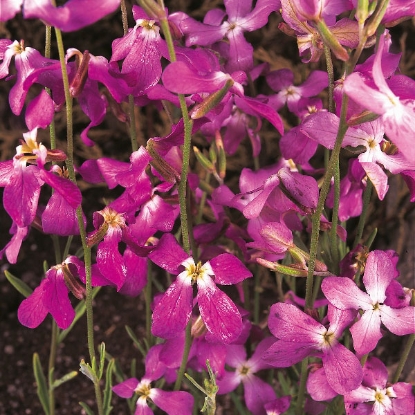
(177,211)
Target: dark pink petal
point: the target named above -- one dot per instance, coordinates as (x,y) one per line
(110,262)
(300,189)
(175,307)
(277,236)
(154,367)
(136,274)
(297,146)
(258,16)
(6,171)
(228,269)
(322,127)
(256,361)
(366,332)
(32,310)
(126,389)
(315,83)
(168,254)
(142,408)
(56,299)
(375,373)
(180,78)
(13,247)
(240,52)
(343,293)
(59,217)
(343,370)
(379,272)
(286,354)
(173,403)
(318,386)
(73,15)
(219,313)
(257,393)
(399,321)
(279,406)
(236,355)
(255,107)
(214,352)
(288,323)
(40,111)
(201,34)
(21,195)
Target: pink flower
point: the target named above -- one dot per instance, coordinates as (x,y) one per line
(299,336)
(219,314)
(376,396)
(397,111)
(344,294)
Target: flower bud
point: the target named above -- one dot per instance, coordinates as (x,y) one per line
(77,84)
(204,161)
(331,41)
(152,9)
(73,284)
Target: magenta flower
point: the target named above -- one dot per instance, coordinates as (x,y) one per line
(219,314)
(344,294)
(299,336)
(256,392)
(173,403)
(73,15)
(51,296)
(240,19)
(282,81)
(396,110)
(376,396)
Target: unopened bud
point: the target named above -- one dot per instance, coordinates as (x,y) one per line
(331,41)
(73,284)
(97,236)
(365,116)
(153,9)
(200,110)
(165,169)
(204,161)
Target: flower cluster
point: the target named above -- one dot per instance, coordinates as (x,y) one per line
(183,222)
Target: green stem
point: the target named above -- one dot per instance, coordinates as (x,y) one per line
(408,346)
(362,219)
(188,123)
(330,72)
(87,251)
(301,387)
(51,366)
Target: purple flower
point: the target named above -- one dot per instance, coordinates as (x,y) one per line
(73,15)
(396,109)
(299,336)
(256,392)
(376,396)
(219,314)
(344,294)
(51,296)
(240,19)
(173,403)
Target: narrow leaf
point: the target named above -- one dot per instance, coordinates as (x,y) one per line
(42,388)
(64,379)
(86,408)
(108,387)
(17,283)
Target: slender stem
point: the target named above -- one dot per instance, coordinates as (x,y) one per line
(330,72)
(51,366)
(186,351)
(362,219)
(408,346)
(301,387)
(87,251)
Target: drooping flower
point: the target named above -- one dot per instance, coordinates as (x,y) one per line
(344,294)
(51,296)
(219,314)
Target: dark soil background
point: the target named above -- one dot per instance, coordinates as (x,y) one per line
(395,219)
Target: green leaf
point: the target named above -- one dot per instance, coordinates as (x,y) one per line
(17,283)
(64,379)
(79,312)
(101,360)
(42,388)
(86,408)
(108,387)
(135,340)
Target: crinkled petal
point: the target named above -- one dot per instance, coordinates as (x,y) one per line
(228,269)
(343,370)
(399,321)
(175,307)
(32,311)
(219,313)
